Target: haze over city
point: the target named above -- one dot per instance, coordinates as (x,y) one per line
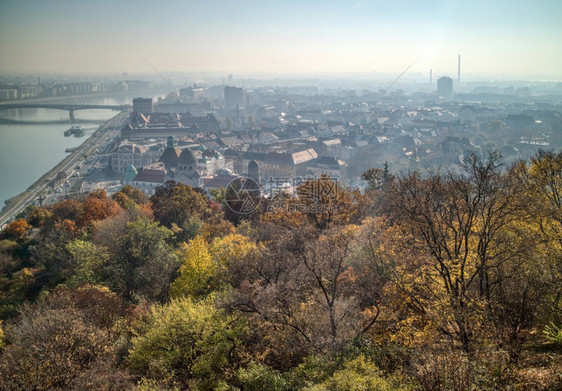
(515,38)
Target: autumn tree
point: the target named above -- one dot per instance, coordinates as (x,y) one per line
(542,178)
(376,178)
(299,289)
(196,271)
(56,342)
(323,202)
(458,221)
(207,267)
(129,197)
(541,193)
(17,229)
(215,227)
(97,206)
(396,276)
(181,208)
(70,209)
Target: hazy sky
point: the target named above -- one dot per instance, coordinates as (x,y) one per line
(493,36)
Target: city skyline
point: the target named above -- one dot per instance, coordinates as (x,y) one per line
(515,38)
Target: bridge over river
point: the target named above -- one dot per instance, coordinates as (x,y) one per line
(70,107)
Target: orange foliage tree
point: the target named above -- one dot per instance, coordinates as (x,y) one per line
(97,206)
(17,229)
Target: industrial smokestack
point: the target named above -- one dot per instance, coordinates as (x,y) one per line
(430,76)
(459,71)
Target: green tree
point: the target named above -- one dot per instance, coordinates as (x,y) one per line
(140,260)
(38,216)
(129,197)
(26,212)
(49,253)
(15,288)
(89,261)
(218,195)
(260,377)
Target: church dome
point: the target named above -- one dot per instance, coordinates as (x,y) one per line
(187,158)
(170,157)
(130,173)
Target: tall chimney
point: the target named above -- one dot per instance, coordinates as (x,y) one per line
(459,71)
(430,76)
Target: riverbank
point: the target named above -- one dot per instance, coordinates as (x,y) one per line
(48,179)
(58,173)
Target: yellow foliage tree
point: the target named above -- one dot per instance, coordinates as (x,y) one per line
(196,271)
(206,267)
(457,226)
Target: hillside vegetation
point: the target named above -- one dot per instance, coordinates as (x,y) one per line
(427,281)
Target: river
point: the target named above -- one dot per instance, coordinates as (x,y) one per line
(27,151)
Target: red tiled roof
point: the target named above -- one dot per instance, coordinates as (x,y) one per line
(151,175)
(292,158)
(218,180)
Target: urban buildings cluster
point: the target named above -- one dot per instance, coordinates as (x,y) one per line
(208,136)
(279,136)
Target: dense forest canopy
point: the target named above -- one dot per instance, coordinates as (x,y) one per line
(427,281)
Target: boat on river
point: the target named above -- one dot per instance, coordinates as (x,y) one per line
(76,131)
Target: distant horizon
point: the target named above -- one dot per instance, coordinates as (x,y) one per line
(414,77)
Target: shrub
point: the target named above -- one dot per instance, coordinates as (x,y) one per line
(187,344)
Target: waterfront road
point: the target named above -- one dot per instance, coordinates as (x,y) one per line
(108,131)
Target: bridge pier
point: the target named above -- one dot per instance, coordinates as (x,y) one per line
(71,115)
